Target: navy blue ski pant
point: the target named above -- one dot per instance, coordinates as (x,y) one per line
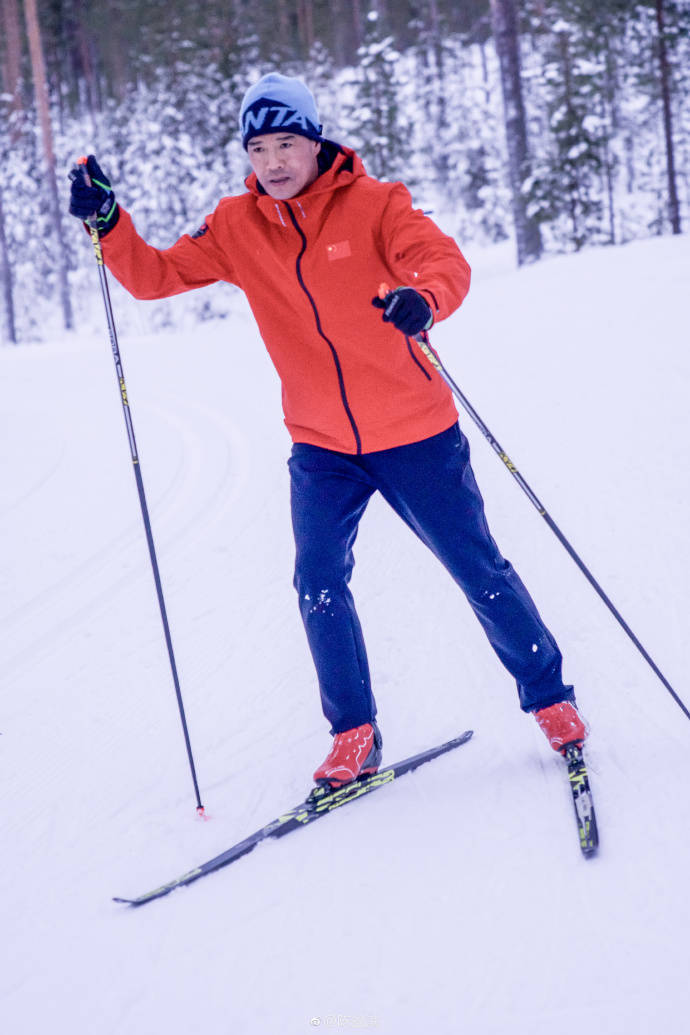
(431,485)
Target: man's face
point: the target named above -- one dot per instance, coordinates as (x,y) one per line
(284,163)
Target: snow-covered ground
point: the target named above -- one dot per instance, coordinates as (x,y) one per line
(455,901)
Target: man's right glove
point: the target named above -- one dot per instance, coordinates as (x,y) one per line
(406,309)
(98,197)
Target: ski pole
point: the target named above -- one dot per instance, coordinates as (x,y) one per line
(422,340)
(105,291)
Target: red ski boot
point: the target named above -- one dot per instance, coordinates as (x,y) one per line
(356,752)
(562,725)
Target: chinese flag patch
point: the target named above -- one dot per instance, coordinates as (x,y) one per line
(341,250)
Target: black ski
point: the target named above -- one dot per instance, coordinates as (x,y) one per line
(582,800)
(319,803)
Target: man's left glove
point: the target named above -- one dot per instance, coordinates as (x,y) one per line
(98,197)
(406,309)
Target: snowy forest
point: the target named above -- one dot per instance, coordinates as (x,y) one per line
(558,124)
(551,138)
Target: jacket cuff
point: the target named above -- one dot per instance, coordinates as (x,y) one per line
(428,295)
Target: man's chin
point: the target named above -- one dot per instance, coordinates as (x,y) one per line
(281,192)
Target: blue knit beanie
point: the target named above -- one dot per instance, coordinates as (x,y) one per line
(279,104)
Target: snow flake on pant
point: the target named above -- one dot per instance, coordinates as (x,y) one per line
(323,603)
(491,596)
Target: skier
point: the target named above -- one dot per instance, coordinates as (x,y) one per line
(309,243)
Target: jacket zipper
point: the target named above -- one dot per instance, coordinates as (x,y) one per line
(334,352)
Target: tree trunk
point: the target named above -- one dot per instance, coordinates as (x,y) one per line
(42,104)
(337,36)
(305,21)
(84,45)
(673,206)
(12,64)
(437,47)
(357,26)
(505,30)
(10,331)
(572,184)
(283,22)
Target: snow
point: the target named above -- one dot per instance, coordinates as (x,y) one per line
(455,901)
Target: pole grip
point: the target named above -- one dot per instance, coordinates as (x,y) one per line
(83,162)
(92,220)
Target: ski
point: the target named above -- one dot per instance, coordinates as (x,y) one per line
(319,803)
(582,800)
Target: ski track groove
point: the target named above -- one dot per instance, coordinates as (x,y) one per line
(174,527)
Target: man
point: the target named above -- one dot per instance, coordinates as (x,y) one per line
(309,243)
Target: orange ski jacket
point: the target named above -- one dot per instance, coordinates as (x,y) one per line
(310,267)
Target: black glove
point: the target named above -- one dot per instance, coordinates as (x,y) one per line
(406,309)
(97,197)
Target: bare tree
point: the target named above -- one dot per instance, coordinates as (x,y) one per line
(673,206)
(505,30)
(305,22)
(12,63)
(283,20)
(356,11)
(10,331)
(85,49)
(42,104)
(11,84)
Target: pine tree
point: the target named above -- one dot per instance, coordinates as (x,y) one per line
(8,323)
(505,28)
(665,86)
(43,109)
(375,120)
(571,186)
